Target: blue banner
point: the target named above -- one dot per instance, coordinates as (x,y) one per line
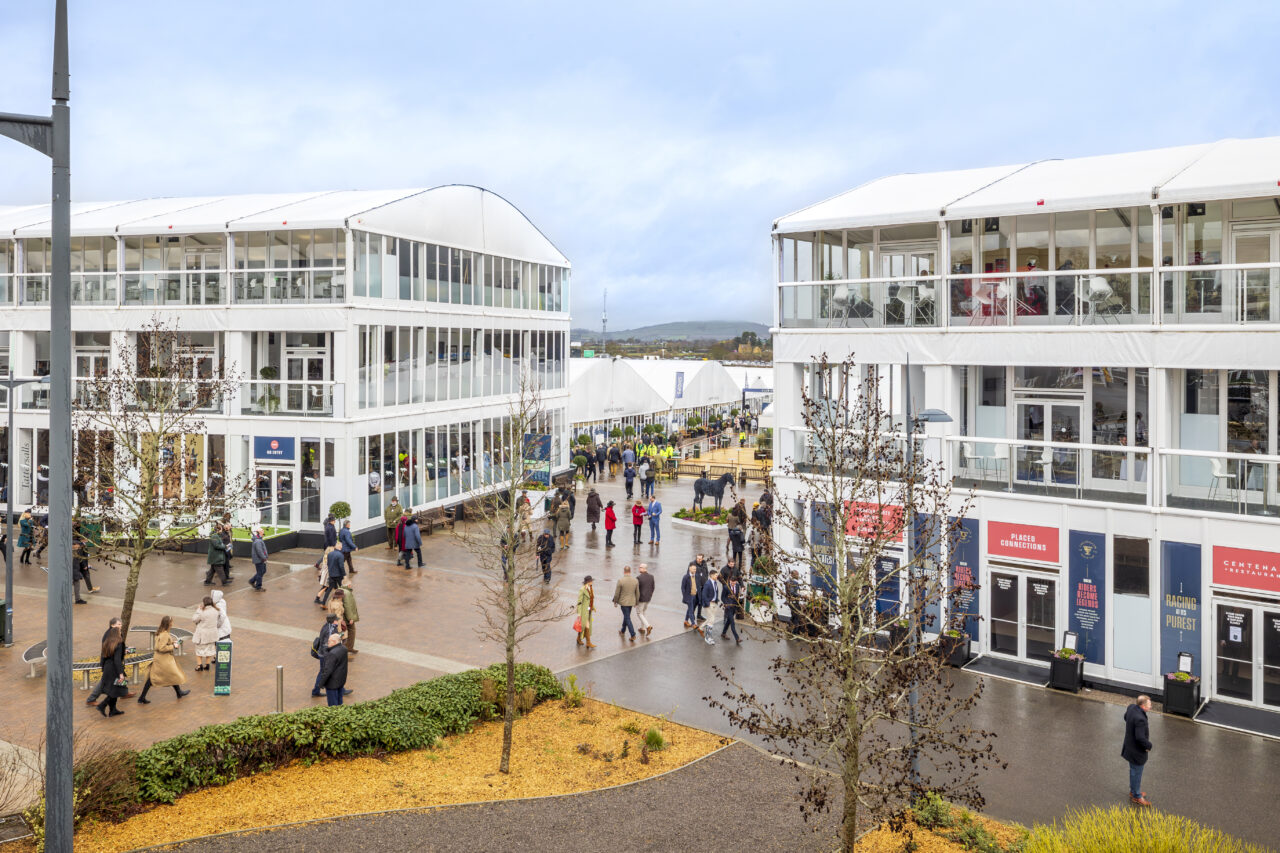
(929,561)
(1180,604)
(888,587)
(279,448)
(537,448)
(820,539)
(1086,604)
(679,384)
(965,553)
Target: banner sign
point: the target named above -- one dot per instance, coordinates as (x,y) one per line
(888,586)
(1086,605)
(222,668)
(929,561)
(679,384)
(537,448)
(820,539)
(1022,541)
(1258,570)
(871,520)
(965,553)
(1180,604)
(278,448)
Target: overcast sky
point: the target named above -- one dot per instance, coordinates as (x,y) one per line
(654,143)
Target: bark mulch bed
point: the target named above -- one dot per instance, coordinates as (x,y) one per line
(737,799)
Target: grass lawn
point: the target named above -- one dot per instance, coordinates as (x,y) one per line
(241,534)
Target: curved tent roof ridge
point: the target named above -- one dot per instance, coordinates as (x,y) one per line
(1155,191)
(942,212)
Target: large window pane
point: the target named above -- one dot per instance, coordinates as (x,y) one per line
(1071,241)
(1247,412)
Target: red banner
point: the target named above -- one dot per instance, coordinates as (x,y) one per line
(1250,569)
(1022,541)
(868,520)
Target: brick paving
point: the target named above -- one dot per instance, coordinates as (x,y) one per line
(414,624)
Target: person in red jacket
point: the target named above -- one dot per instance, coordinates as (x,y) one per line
(637,519)
(610,524)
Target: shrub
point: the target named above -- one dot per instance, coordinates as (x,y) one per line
(1120,829)
(579,461)
(413,717)
(616,432)
(654,740)
(932,811)
(340,510)
(975,837)
(573,694)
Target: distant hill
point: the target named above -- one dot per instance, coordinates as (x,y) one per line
(693,330)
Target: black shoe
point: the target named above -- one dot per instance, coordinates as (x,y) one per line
(346,692)
(315,695)
(143,701)
(182,693)
(208,583)
(81,601)
(115,713)
(102,709)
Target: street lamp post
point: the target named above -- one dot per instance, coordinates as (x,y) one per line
(11,383)
(935,416)
(51,136)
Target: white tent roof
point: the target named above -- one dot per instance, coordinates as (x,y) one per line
(1230,168)
(605,388)
(464,216)
(765,420)
(891,200)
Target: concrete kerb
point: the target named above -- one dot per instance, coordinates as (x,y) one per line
(171,844)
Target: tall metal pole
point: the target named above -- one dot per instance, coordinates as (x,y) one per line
(59,824)
(8,523)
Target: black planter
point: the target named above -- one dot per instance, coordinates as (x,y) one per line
(1181,697)
(1066,674)
(954,650)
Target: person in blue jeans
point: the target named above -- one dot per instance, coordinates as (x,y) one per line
(630,475)
(348,545)
(654,512)
(1137,743)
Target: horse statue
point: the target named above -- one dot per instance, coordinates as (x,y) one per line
(703,487)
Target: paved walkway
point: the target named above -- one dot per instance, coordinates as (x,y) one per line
(1063,750)
(414,624)
(736,799)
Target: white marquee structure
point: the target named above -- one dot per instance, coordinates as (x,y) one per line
(615,392)
(1105,334)
(380,334)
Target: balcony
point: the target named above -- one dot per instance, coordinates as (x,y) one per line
(1231,294)
(285,399)
(1101,472)
(290,287)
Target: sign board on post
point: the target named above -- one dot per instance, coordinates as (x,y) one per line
(1242,567)
(1086,611)
(679,384)
(964,575)
(1179,602)
(277,448)
(222,668)
(1022,541)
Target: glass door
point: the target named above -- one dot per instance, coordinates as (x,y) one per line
(274,496)
(1004,614)
(1023,615)
(909,303)
(1256,289)
(1242,676)
(1041,612)
(1058,422)
(306,390)
(89,365)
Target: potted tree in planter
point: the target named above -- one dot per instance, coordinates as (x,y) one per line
(953,647)
(1066,670)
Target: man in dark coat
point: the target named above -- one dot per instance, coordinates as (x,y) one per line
(337,570)
(333,671)
(594,506)
(330,533)
(701,572)
(545,548)
(1137,743)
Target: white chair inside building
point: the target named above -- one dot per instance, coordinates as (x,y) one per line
(1092,291)
(1221,475)
(1045,464)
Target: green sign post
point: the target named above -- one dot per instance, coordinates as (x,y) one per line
(222,669)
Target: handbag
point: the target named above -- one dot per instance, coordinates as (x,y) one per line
(121,680)
(577,624)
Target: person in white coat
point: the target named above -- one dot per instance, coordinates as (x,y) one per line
(205,635)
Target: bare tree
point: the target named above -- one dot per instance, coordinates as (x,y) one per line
(142,469)
(860,538)
(515,602)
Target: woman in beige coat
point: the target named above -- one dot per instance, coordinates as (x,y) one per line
(165,671)
(205,638)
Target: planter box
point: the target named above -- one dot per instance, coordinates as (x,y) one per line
(1181,697)
(697,526)
(954,650)
(1066,674)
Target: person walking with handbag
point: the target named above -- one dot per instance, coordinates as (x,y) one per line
(116,623)
(335,571)
(319,648)
(224,620)
(348,545)
(610,524)
(564,517)
(626,594)
(1137,743)
(26,536)
(205,635)
(586,607)
(258,553)
(165,671)
(114,682)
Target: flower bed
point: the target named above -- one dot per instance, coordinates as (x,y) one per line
(708,516)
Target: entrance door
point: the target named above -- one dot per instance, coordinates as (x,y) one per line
(909,303)
(274,496)
(89,365)
(306,391)
(1023,615)
(1241,674)
(1257,290)
(1058,422)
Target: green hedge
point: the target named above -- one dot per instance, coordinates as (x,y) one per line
(413,717)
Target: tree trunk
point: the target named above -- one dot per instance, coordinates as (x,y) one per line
(509,713)
(130,593)
(849,775)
